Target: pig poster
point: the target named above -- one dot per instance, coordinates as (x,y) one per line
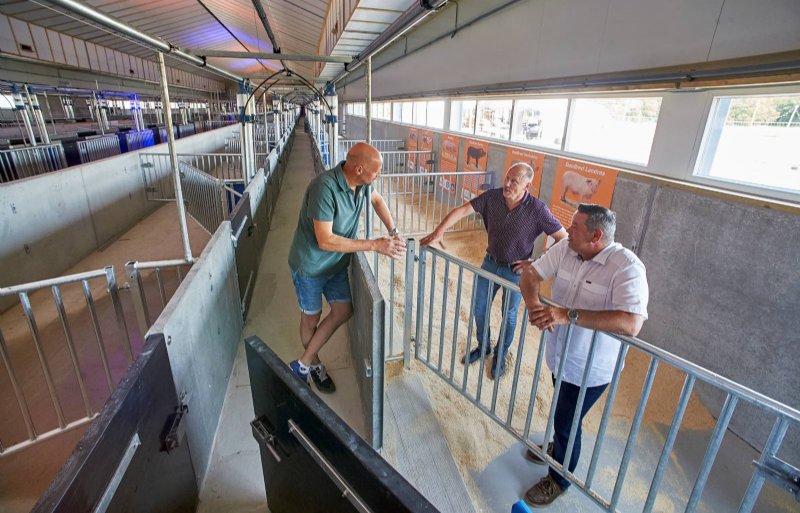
(425,143)
(533,159)
(476,153)
(580,182)
(448,149)
(411,144)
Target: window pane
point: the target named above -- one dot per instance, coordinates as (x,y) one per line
(494,118)
(753,140)
(462,116)
(420,113)
(539,122)
(408,113)
(613,128)
(397,113)
(436,114)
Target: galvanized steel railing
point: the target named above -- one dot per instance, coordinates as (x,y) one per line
(138,139)
(157,173)
(439,335)
(380,144)
(19,163)
(141,276)
(78,350)
(208,199)
(97,148)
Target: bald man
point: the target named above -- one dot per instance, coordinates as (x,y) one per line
(320,252)
(513,219)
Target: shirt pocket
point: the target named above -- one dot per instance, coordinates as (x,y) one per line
(593,296)
(561,285)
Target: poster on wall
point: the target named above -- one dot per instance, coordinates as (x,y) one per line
(580,182)
(425,144)
(476,153)
(411,144)
(533,159)
(448,148)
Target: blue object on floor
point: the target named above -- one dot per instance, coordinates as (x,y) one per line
(520,507)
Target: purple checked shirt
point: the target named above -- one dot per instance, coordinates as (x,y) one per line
(513,232)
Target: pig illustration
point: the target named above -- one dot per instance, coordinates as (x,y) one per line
(427,139)
(475,153)
(579,185)
(412,136)
(449,147)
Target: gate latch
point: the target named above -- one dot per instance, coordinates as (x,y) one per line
(263,432)
(175,428)
(781,474)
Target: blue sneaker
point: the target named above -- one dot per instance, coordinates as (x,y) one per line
(297,370)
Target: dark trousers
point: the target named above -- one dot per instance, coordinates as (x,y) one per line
(565,410)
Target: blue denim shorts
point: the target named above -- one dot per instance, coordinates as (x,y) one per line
(309,291)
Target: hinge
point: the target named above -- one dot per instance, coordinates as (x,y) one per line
(263,432)
(174,429)
(781,474)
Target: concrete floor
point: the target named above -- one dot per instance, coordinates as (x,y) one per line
(26,474)
(235,481)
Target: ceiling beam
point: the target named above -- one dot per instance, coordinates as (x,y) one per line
(267,55)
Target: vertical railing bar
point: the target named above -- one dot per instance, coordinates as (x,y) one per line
(535,384)
(557,386)
(430,308)
(12,376)
(48,377)
(634,433)
(515,382)
(423,255)
(470,321)
(757,480)
(161,291)
(581,398)
(611,392)
(139,298)
(391,306)
(680,409)
(454,344)
(444,313)
(87,293)
(485,344)
(711,452)
(73,355)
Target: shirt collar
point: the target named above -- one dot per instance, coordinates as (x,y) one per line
(338,172)
(601,257)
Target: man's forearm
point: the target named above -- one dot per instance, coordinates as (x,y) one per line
(615,321)
(383,213)
(529,284)
(339,244)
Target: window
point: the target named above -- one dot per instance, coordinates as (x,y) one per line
(539,122)
(6,101)
(462,116)
(436,114)
(494,118)
(614,128)
(420,113)
(397,112)
(407,113)
(753,140)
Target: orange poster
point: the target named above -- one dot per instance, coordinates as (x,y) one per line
(425,144)
(411,144)
(475,155)
(448,147)
(580,182)
(533,159)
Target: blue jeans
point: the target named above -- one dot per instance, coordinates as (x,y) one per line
(482,307)
(565,410)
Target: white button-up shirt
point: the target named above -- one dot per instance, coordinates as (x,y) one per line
(614,279)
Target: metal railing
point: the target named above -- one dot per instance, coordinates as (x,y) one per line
(43,334)
(438,323)
(233,145)
(408,162)
(97,148)
(151,285)
(381,144)
(157,173)
(207,199)
(19,163)
(138,139)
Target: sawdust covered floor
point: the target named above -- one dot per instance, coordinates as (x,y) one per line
(491,461)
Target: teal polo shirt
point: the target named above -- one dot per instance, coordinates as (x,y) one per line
(328,198)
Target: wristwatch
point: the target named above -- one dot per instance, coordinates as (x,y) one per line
(394,231)
(573,315)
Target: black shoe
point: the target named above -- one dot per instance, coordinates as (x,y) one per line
(474,356)
(323,382)
(496,371)
(532,456)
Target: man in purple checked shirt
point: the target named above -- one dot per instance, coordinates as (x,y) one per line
(513,219)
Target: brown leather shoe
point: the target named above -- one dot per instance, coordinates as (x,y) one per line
(533,457)
(543,493)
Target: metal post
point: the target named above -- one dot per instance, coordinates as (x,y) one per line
(37,115)
(19,105)
(173,157)
(246,138)
(368,114)
(276,117)
(409,300)
(332,122)
(139,298)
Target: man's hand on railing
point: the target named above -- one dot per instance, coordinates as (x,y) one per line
(434,236)
(520,265)
(394,247)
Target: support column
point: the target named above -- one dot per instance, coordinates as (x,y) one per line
(246,137)
(21,107)
(38,116)
(368,116)
(277,114)
(331,120)
(173,158)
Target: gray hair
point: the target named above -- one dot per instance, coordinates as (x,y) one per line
(527,167)
(600,218)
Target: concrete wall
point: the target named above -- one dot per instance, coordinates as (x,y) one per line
(202,325)
(50,222)
(724,279)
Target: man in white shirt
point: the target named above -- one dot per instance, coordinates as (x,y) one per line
(603,287)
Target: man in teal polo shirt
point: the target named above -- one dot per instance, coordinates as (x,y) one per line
(320,252)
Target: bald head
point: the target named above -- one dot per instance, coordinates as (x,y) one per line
(363,164)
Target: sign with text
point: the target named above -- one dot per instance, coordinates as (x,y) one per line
(580,182)
(425,144)
(448,148)
(411,144)
(476,153)
(533,159)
